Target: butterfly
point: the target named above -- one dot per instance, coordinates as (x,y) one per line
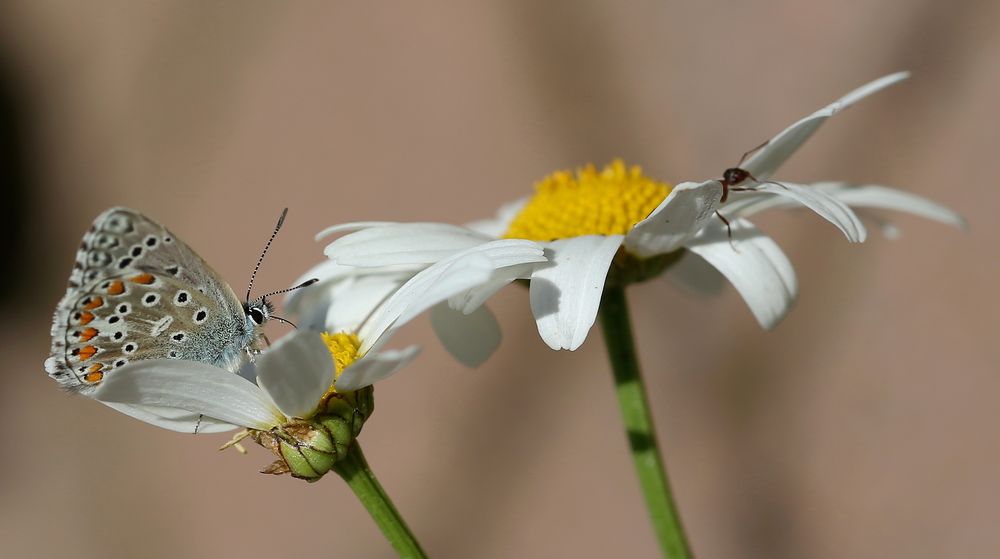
(136,292)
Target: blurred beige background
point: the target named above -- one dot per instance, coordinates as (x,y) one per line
(864,426)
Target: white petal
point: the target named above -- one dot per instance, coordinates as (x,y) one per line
(295,372)
(828,207)
(754,264)
(693,274)
(470,338)
(402,243)
(767,160)
(885,198)
(171,419)
(355,301)
(869,88)
(497,226)
(350,227)
(375,367)
(566,294)
(443,280)
(889,230)
(676,220)
(192,386)
(470,300)
(309,303)
(746,204)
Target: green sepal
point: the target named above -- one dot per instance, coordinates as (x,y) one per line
(308,448)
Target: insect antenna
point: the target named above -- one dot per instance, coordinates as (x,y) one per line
(751,152)
(277,228)
(288,322)
(306,283)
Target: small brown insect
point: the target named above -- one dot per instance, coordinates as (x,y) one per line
(735,176)
(731,180)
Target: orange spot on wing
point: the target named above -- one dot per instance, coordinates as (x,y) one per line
(87,334)
(116,288)
(86,317)
(144,279)
(87,351)
(94,373)
(94,303)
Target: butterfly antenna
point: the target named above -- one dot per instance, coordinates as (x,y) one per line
(288,322)
(306,283)
(277,228)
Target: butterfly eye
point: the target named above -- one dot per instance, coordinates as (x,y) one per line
(257,316)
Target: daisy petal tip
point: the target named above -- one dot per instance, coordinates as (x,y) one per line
(375,367)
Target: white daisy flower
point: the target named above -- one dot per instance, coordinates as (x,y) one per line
(466,328)
(296,376)
(617,226)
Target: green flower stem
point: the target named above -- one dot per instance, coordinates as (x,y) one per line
(355,471)
(617,328)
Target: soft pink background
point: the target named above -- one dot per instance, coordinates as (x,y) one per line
(864,426)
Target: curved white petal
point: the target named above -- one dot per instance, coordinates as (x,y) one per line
(828,207)
(350,227)
(766,161)
(889,230)
(355,300)
(296,372)
(171,419)
(402,243)
(192,386)
(566,294)
(375,367)
(754,264)
(693,274)
(470,300)
(496,227)
(869,88)
(445,279)
(746,204)
(470,338)
(309,303)
(680,216)
(885,198)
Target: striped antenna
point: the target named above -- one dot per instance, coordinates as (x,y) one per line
(277,228)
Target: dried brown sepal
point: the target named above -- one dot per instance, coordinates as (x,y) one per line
(278,467)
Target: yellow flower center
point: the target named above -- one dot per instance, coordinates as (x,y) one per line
(344,350)
(588,202)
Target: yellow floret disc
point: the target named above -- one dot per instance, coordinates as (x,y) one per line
(588,202)
(344,349)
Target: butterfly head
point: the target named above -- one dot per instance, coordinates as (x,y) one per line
(258,310)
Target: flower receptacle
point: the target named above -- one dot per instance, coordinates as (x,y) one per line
(308,448)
